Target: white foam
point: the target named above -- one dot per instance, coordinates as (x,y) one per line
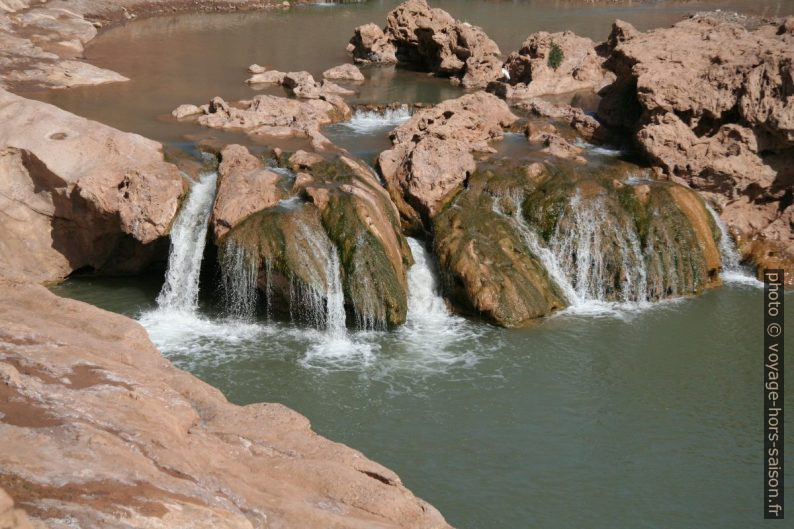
(369,121)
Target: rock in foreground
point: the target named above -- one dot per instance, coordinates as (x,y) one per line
(77,193)
(79,385)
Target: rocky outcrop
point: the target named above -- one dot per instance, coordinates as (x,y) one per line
(433,153)
(78,385)
(244,187)
(533,71)
(75,193)
(371,45)
(430,39)
(709,103)
(584,124)
(344,72)
(338,212)
(277,117)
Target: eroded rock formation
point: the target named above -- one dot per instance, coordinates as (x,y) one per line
(533,71)
(709,102)
(278,117)
(433,153)
(244,187)
(430,39)
(76,193)
(99,429)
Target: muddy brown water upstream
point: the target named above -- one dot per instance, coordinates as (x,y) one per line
(618,418)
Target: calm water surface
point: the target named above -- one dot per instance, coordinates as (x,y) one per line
(632,419)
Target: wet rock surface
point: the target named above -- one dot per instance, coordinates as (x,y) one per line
(78,194)
(166,449)
(336,219)
(708,101)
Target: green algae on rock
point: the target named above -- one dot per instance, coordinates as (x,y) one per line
(339,220)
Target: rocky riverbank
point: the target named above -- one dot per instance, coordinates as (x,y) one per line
(321,236)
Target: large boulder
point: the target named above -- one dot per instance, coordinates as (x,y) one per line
(337,224)
(523,241)
(708,101)
(433,153)
(430,39)
(533,71)
(79,385)
(77,194)
(244,187)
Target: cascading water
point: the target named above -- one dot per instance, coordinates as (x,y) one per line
(239,271)
(321,302)
(188,237)
(732,269)
(576,255)
(515,199)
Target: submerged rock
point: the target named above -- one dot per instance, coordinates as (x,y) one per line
(430,39)
(432,153)
(341,221)
(81,384)
(708,102)
(78,194)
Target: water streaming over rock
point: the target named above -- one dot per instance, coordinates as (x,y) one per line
(188,237)
(239,270)
(321,301)
(593,257)
(368,121)
(732,269)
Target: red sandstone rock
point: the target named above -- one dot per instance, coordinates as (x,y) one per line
(244,187)
(533,75)
(98,427)
(76,193)
(433,152)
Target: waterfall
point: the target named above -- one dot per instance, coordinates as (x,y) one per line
(239,270)
(321,302)
(577,256)
(188,237)
(426,307)
(515,198)
(732,269)
(583,242)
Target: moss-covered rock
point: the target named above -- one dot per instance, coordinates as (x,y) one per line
(337,209)
(487,267)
